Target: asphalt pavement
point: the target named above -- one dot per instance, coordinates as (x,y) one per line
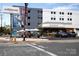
(61,49)
(20,50)
(40,48)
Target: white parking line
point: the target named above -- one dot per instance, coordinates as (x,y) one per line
(41,46)
(40,49)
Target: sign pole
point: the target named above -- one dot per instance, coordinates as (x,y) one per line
(24,21)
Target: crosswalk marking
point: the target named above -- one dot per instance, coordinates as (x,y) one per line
(52,54)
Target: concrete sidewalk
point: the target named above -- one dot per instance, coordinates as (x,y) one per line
(27,39)
(7,39)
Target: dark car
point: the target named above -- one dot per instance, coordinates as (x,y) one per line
(71,34)
(1,34)
(36,34)
(61,34)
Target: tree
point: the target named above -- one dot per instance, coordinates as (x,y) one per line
(5,30)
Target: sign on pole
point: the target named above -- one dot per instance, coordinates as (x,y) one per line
(13,10)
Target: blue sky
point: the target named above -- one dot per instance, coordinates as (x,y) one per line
(72,6)
(45,5)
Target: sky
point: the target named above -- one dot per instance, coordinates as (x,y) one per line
(71,6)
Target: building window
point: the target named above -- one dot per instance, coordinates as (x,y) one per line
(28,11)
(39,11)
(39,23)
(61,18)
(53,18)
(39,17)
(69,19)
(61,13)
(28,24)
(69,13)
(53,12)
(28,17)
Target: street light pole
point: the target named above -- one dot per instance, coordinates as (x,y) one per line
(24,21)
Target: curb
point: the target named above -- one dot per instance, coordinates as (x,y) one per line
(39,40)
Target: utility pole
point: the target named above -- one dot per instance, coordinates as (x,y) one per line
(11,25)
(24,21)
(1,22)
(1,17)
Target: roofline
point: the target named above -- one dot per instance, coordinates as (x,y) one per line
(48,9)
(27,7)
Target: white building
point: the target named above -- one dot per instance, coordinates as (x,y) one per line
(61,19)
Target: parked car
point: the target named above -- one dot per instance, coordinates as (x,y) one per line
(61,34)
(36,34)
(72,34)
(1,34)
(66,34)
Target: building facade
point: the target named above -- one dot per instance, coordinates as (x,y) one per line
(60,20)
(34,18)
(52,20)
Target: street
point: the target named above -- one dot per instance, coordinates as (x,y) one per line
(20,50)
(39,29)
(62,49)
(28,48)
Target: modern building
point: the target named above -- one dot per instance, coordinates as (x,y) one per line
(52,20)
(60,19)
(34,18)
